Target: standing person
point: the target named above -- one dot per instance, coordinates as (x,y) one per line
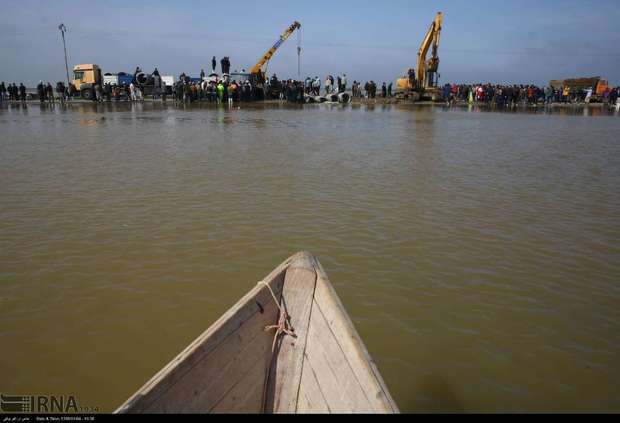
(2,92)
(49,93)
(179,91)
(60,89)
(22,92)
(566,95)
(132,92)
(225,65)
(384,90)
(220,92)
(339,84)
(447,90)
(157,86)
(187,92)
(41,91)
(212,92)
(317,85)
(135,74)
(389,93)
(98,92)
(588,95)
(193,92)
(549,94)
(226,92)
(213,64)
(107,92)
(232,90)
(202,75)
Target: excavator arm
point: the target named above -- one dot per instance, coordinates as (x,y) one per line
(424,69)
(257,68)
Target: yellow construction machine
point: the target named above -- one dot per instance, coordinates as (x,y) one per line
(257,74)
(257,69)
(421,83)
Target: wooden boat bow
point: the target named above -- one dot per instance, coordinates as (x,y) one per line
(235,365)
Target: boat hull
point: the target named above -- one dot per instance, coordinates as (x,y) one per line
(235,365)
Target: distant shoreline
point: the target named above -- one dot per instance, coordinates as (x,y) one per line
(359,101)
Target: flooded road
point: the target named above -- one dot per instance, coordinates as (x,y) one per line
(478,253)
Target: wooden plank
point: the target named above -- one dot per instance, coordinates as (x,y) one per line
(206,343)
(247,394)
(338,384)
(359,359)
(210,379)
(311,398)
(286,368)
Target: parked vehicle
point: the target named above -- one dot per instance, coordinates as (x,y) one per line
(87,76)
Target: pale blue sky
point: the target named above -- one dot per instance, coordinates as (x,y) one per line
(498,41)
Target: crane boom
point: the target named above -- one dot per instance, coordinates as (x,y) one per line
(426,71)
(257,68)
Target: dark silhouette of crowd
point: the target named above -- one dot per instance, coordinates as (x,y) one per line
(12,92)
(512,95)
(215,90)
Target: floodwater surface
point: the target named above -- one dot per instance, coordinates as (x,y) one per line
(477,253)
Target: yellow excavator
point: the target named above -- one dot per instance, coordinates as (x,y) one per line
(421,83)
(257,74)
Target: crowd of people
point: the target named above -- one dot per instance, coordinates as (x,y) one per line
(370,90)
(242,88)
(333,85)
(214,90)
(12,92)
(511,95)
(46,92)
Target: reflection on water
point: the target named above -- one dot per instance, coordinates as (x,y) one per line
(475,250)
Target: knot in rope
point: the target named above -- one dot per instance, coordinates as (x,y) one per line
(284,321)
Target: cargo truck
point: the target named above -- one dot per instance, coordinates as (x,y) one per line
(86,76)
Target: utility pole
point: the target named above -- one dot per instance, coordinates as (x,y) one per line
(63,29)
(298,62)
(299,53)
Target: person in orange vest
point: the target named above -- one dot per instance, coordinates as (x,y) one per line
(530,95)
(232,92)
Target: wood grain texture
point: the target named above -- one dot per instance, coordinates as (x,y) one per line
(311,398)
(286,367)
(335,377)
(342,328)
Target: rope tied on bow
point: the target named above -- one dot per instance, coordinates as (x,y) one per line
(282,327)
(284,321)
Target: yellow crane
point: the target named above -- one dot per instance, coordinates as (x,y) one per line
(423,80)
(257,70)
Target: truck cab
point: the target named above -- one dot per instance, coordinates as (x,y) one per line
(85,77)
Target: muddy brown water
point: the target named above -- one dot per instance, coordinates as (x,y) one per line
(478,253)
